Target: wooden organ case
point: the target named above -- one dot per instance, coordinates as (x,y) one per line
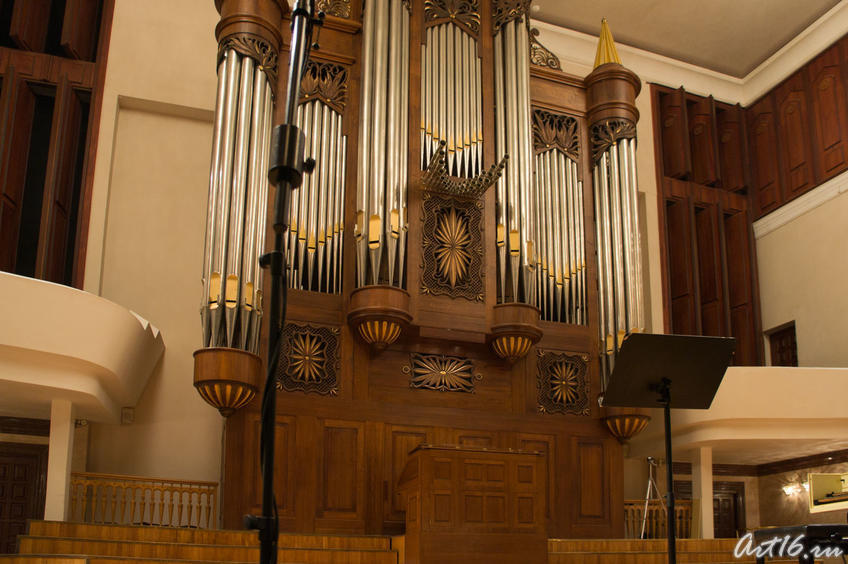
(439,293)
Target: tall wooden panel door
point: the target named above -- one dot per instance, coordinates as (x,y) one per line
(794,131)
(675,134)
(23,473)
(762,139)
(681,268)
(342,483)
(740,290)
(830,115)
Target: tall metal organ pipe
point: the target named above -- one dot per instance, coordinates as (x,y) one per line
(517,197)
(451,98)
(611,94)
(561,258)
(316,217)
(381,219)
(231,308)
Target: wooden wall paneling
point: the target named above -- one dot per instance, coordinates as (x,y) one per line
(18,107)
(596,492)
(794,136)
(711,291)
(722,249)
(741,292)
(341,476)
(656,119)
(677,160)
(767,181)
(681,268)
(400,440)
(30,19)
(98,80)
(58,204)
(241,439)
(829,113)
(732,148)
(79,28)
(701,123)
(545,444)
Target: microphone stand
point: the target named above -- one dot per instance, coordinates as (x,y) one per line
(286,173)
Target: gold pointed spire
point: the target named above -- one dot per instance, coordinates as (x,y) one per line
(606,47)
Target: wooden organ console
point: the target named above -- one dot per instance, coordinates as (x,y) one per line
(463,261)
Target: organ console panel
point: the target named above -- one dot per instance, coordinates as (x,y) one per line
(442,258)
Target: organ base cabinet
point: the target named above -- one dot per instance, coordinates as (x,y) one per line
(473,505)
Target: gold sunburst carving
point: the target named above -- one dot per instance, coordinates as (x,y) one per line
(441,372)
(452,240)
(564,382)
(307,357)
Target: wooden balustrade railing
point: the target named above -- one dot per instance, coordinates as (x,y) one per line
(134,500)
(655,526)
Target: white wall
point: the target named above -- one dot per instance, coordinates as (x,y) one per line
(803,272)
(147,223)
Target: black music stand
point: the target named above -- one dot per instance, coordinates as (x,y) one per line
(648,367)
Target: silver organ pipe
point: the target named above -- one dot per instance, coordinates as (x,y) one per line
(316,211)
(619,247)
(517,197)
(381,219)
(231,309)
(452,98)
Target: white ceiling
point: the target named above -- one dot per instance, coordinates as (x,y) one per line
(728,36)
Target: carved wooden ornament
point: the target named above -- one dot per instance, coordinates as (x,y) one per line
(309,360)
(563,382)
(441,372)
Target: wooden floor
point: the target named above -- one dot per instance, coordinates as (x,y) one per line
(50,542)
(633,551)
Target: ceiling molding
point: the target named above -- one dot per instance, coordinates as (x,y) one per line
(791,210)
(576,52)
(788,465)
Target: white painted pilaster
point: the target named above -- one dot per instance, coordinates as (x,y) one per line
(60,451)
(702,489)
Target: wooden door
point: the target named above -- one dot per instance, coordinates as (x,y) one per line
(23,474)
(725,511)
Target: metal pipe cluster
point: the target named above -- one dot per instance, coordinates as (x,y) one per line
(561,260)
(621,304)
(451,99)
(231,310)
(516,200)
(316,220)
(381,222)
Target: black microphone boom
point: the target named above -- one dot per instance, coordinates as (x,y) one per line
(286,173)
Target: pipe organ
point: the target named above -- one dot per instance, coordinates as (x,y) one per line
(381,197)
(238,190)
(316,227)
(451,90)
(620,297)
(464,251)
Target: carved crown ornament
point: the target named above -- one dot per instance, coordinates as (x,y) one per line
(562,381)
(504,11)
(337,8)
(463,12)
(309,360)
(442,373)
(607,132)
(254,47)
(556,131)
(540,55)
(326,82)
